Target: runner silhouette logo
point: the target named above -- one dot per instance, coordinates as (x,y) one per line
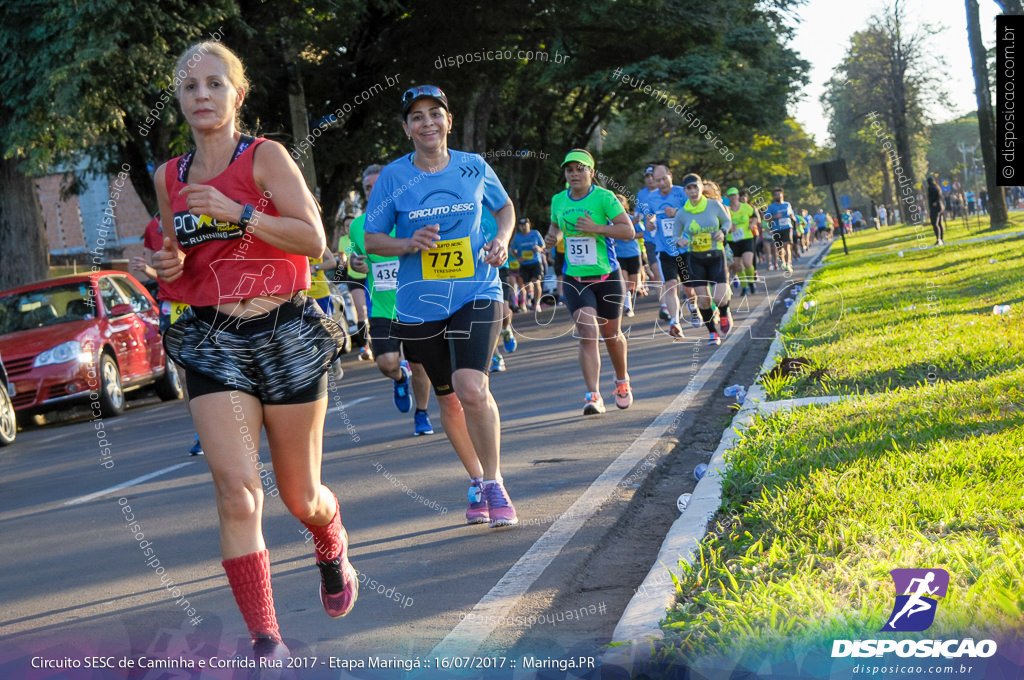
(917,593)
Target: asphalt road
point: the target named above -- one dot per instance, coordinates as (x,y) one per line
(77,583)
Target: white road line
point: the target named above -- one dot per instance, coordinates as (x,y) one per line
(469,635)
(151,475)
(360,400)
(130,482)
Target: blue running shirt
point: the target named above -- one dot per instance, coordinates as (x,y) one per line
(781,215)
(665,233)
(434,284)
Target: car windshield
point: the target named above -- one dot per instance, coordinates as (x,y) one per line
(46,307)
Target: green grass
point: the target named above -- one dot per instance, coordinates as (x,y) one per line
(925,468)
(882,321)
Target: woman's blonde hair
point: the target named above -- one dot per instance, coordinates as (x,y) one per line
(190,57)
(712,190)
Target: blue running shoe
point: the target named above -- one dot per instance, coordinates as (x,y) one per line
(197,448)
(477,512)
(422,421)
(497,364)
(403,401)
(509,340)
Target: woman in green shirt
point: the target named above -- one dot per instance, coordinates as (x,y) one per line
(587,216)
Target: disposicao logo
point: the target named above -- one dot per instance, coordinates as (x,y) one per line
(917,591)
(917,598)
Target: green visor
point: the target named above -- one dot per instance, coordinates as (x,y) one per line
(579,157)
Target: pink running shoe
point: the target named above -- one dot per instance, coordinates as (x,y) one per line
(499,506)
(339,583)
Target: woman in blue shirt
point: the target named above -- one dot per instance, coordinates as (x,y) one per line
(449,300)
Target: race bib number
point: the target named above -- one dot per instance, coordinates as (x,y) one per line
(527,255)
(782,222)
(581,250)
(448,260)
(177,309)
(385,275)
(700,243)
(668,227)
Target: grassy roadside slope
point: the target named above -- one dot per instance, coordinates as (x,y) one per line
(924,468)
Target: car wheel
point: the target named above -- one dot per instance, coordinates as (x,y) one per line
(8,420)
(111,392)
(168,387)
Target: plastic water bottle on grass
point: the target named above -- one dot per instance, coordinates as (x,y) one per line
(999,310)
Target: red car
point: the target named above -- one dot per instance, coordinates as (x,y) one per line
(94,334)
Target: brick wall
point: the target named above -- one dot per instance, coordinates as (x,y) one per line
(62,218)
(66,224)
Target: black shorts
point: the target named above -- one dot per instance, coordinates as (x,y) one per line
(280,357)
(782,236)
(466,339)
(706,269)
(382,336)
(744,245)
(559,263)
(198,385)
(650,250)
(506,287)
(674,268)
(531,272)
(606,296)
(630,265)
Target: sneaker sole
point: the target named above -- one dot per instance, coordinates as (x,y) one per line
(630,403)
(420,434)
(497,523)
(478,520)
(592,411)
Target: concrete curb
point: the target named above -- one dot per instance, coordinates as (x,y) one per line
(639,626)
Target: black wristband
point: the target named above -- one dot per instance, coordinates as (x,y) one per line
(247,212)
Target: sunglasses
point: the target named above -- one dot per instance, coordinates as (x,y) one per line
(423,91)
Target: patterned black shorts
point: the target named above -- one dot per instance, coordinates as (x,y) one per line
(273,356)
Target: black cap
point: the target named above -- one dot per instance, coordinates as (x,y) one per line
(414,94)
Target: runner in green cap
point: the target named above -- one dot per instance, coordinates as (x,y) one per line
(741,238)
(589,217)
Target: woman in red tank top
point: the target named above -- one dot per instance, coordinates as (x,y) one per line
(238,225)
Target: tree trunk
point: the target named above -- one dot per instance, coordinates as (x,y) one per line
(986,118)
(22,230)
(887,174)
(297,106)
(133,155)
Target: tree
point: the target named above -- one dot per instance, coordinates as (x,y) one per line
(944,156)
(22,233)
(97,78)
(89,79)
(986,116)
(886,83)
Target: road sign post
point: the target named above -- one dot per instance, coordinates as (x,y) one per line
(829,173)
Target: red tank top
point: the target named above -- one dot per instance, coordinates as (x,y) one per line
(223,262)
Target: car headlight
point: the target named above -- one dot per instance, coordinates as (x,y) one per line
(61,354)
